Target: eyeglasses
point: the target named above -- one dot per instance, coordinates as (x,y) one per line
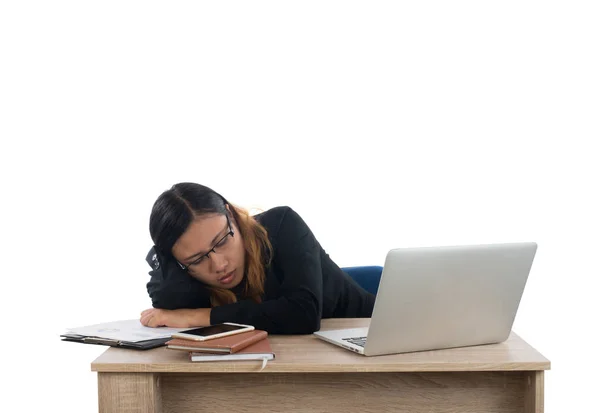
(220,245)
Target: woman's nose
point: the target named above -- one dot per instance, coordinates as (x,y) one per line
(219,262)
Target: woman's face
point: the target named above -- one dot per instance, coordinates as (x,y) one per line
(210,234)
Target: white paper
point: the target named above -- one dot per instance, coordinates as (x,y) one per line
(125,330)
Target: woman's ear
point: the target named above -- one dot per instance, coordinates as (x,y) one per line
(228,208)
(231,216)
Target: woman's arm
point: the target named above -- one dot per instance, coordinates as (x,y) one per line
(181,318)
(298,310)
(178,299)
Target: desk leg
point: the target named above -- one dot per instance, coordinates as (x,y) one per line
(129,393)
(534,392)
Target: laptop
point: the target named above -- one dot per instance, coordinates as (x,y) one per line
(433,298)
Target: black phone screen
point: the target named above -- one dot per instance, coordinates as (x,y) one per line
(211,330)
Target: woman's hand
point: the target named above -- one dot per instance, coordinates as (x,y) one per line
(182,318)
(157,317)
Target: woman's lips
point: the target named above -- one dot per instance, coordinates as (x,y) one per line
(228,278)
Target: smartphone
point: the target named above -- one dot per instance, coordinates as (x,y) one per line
(214,331)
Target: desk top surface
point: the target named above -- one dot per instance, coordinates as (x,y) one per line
(307,354)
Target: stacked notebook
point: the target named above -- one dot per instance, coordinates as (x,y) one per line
(251,345)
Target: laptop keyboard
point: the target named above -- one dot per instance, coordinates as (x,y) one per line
(359,341)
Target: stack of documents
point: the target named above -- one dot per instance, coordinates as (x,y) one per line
(124,333)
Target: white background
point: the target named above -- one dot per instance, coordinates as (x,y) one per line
(384,125)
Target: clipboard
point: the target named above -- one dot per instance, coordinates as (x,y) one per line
(134,345)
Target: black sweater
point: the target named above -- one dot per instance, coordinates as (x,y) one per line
(302,283)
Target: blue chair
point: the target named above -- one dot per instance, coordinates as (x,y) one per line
(366,276)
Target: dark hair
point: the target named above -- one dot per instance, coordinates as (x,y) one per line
(176,208)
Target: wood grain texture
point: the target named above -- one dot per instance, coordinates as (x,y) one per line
(534,392)
(490,392)
(129,393)
(306,353)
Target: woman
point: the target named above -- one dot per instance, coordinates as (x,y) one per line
(212,263)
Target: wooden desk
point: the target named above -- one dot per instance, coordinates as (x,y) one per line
(309,375)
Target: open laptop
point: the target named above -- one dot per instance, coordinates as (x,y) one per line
(442,297)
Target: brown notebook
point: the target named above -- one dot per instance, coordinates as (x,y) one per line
(261,350)
(222,345)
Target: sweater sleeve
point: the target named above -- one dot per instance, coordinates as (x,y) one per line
(170,287)
(298,309)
